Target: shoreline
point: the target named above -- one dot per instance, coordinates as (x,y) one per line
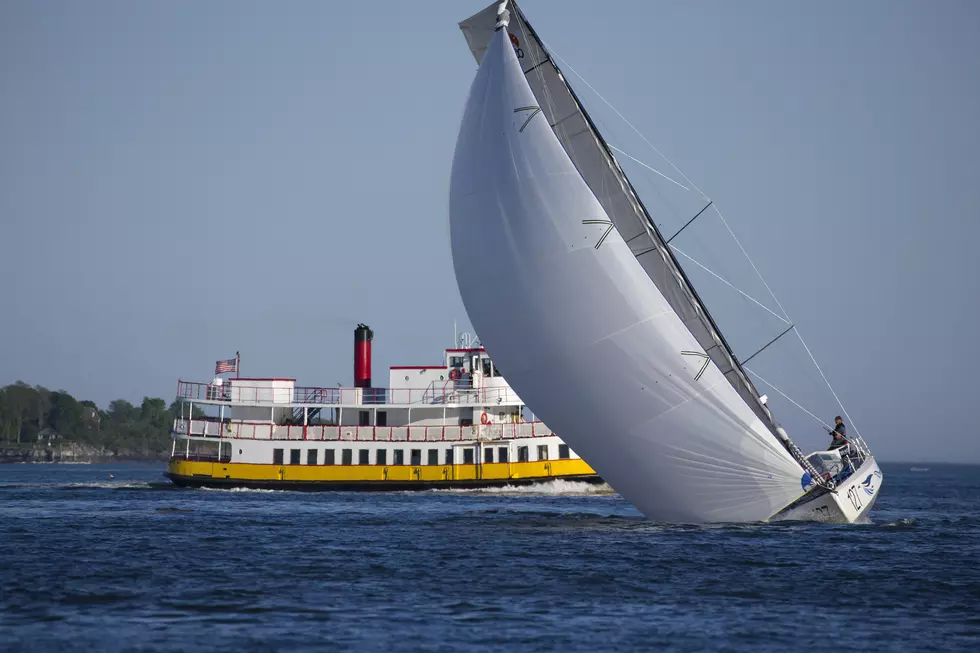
(73,453)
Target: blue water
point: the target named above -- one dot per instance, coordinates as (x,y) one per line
(129,563)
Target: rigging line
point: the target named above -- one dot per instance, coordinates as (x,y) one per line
(648,167)
(766,346)
(788,398)
(752,263)
(725,222)
(728,283)
(689,222)
(830,387)
(678,171)
(623,118)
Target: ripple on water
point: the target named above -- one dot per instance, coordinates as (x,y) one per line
(88,563)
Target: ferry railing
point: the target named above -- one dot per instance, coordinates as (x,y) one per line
(453,393)
(226,429)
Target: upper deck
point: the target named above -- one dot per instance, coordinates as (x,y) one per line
(283,393)
(467,377)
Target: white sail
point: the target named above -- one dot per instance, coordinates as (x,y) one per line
(585,338)
(600,170)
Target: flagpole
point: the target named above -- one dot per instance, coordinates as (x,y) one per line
(238,364)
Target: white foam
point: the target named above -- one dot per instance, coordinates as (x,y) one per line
(558,487)
(239,489)
(107,485)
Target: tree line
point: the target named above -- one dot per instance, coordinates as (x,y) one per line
(35,414)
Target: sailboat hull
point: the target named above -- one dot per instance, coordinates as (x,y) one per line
(849,503)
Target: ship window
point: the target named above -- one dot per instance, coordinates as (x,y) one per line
(329,457)
(486,367)
(346,456)
(542,452)
(563,451)
(416,456)
(449,456)
(363,457)
(277,456)
(311,456)
(455,361)
(294,456)
(381,457)
(399,456)
(433,456)
(466,421)
(364,418)
(488,455)
(468,456)
(522,454)
(381,418)
(502,454)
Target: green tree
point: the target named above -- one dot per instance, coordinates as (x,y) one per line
(122,411)
(22,407)
(65,415)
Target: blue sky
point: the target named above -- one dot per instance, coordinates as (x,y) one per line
(182,180)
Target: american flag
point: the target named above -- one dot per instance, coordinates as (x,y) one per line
(230,365)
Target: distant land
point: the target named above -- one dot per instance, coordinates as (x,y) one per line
(42,425)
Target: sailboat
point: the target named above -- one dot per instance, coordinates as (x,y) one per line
(600,330)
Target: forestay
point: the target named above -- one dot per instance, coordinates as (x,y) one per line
(569,312)
(600,170)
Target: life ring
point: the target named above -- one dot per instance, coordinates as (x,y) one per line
(484,419)
(455,374)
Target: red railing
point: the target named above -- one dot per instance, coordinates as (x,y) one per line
(453,393)
(213,428)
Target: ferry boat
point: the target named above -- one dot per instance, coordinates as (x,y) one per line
(457,424)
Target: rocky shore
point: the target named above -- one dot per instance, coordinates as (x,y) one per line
(73,452)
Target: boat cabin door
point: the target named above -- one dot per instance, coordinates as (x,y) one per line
(466,465)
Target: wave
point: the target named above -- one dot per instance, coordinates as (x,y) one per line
(240,489)
(83,485)
(558,487)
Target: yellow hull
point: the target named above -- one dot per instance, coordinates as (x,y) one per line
(374,477)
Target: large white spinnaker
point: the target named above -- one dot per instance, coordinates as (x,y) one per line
(584,336)
(595,161)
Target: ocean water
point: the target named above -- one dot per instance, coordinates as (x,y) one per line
(129,563)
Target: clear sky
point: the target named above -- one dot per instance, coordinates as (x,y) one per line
(181,180)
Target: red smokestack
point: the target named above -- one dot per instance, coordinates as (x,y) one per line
(363,335)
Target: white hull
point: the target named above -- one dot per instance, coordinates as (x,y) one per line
(849,503)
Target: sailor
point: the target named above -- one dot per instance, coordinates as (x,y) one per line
(838,434)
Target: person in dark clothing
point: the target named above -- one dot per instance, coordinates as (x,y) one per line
(839,435)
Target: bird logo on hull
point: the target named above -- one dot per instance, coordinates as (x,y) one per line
(867,485)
